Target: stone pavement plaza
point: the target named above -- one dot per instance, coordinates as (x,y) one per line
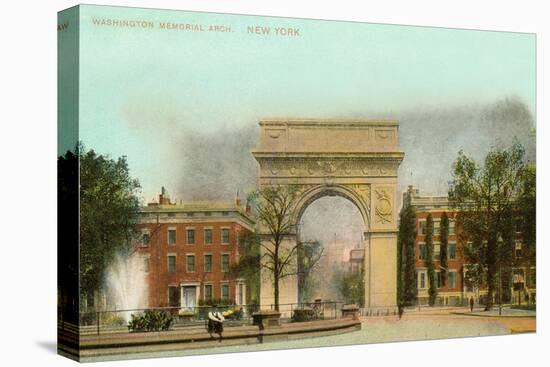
(414,325)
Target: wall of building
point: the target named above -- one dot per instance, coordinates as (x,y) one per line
(157,251)
(447,293)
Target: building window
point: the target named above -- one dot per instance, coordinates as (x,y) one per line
(172,236)
(207,214)
(208,263)
(437,228)
(452,251)
(208,236)
(171,263)
(437,250)
(145,238)
(225,235)
(208,293)
(422,280)
(225,214)
(451,227)
(423,251)
(438,279)
(225,263)
(173,296)
(422,227)
(518,277)
(519,250)
(190,263)
(225,292)
(146,264)
(452,280)
(190,236)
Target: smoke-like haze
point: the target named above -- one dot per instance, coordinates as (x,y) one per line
(431,138)
(215,164)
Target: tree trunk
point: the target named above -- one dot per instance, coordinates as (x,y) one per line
(491,273)
(276,291)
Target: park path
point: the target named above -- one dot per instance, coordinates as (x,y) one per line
(422,325)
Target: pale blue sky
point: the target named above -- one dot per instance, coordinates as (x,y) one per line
(140,87)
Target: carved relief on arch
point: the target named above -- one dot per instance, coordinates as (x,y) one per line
(384,206)
(363,192)
(384,134)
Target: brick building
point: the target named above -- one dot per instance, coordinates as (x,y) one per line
(188,248)
(458,289)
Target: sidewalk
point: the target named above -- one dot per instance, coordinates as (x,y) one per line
(506,312)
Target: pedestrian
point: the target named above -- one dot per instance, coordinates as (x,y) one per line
(215,324)
(471,304)
(400,310)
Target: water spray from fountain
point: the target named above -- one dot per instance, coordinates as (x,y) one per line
(126,283)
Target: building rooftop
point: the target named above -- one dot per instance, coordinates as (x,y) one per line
(187,206)
(197,208)
(412,197)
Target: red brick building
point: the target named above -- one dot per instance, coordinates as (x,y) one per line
(457,289)
(188,248)
(452,291)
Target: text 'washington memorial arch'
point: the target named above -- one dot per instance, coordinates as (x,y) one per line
(354,159)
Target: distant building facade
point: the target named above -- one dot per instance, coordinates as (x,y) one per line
(356,260)
(188,248)
(458,289)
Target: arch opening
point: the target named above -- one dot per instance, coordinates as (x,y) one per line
(330,226)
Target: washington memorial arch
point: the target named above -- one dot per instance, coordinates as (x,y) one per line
(354,159)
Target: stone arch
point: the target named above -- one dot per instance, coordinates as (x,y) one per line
(310,194)
(355,159)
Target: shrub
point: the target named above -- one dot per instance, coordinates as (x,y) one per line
(112,319)
(150,320)
(304,314)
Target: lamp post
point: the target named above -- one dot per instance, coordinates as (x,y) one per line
(499,250)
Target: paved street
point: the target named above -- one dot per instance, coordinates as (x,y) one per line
(415,325)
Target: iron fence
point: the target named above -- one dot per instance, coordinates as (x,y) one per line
(117,321)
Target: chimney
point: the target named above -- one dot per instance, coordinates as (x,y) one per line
(237,200)
(164,198)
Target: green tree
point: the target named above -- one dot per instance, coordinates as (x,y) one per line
(108,205)
(351,286)
(406,276)
(444,239)
(485,197)
(527,218)
(309,254)
(68,233)
(248,266)
(275,211)
(429,262)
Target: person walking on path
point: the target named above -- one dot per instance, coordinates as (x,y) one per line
(471,304)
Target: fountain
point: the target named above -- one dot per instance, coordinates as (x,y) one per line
(126,284)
